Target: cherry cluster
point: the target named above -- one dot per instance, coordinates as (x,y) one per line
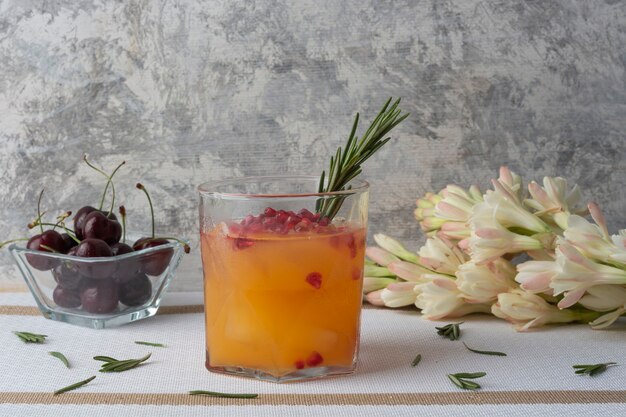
(96,276)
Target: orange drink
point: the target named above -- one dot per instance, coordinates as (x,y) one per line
(283,292)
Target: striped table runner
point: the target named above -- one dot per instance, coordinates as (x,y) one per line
(536,378)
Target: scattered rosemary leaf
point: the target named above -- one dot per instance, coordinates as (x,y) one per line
(60,356)
(417,360)
(222,394)
(74,386)
(452,331)
(460,380)
(27,337)
(113,365)
(484,352)
(592,370)
(150,344)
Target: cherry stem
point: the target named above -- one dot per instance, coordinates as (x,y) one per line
(61,219)
(71,235)
(48,248)
(123,214)
(35,224)
(39,210)
(109,182)
(6,242)
(142,188)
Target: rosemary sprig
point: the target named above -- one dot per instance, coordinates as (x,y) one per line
(484,352)
(150,344)
(417,360)
(452,331)
(592,370)
(222,394)
(27,337)
(61,357)
(114,365)
(460,379)
(345,165)
(74,386)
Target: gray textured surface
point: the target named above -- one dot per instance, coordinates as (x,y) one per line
(189,91)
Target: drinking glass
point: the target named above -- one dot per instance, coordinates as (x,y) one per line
(283,276)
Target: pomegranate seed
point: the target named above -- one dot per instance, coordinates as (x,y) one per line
(324,221)
(301,227)
(249,219)
(314,359)
(352,246)
(243,243)
(282,217)
(316,217)
(357,273)
(270,212)
(294,219)
(269,223)
(304,213)
(255,227)
(299,364)
(315,280)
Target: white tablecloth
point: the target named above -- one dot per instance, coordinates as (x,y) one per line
(535,379)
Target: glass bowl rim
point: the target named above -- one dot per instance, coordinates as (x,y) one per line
(358,186)
(15,248)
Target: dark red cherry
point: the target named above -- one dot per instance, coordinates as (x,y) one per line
(126,268)
(80,217)
(95,248)
(156,262)
(136,291)
(98,226)
(69,242)
(67,275)
(48,241)
(99,296)
(64,297)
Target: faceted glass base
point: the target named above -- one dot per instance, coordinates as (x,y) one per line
(298,375)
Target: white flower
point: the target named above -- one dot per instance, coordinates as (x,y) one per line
(376,283)
(395,247)
(374,298)
(604,298)
(505,206)
(535,276)
(448,210)
(490,240)
(527,310)
(441,298)
(511,180)
(591,240)
(441,255)
(409,271)
(554,200)
(606,320)
(620,243)
(399,294)
(483,283)
(380,256)
(579,273)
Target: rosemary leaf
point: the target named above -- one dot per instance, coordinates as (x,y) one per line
(452,331)
(74,386)
(484,352)
(592,370)
(346,163)
(27,337)
(61,357)
(222,394)
(105,358)
(150,344)
(120,366)
(460,380)
(417,360)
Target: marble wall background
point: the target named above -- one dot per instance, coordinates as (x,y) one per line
(187,91)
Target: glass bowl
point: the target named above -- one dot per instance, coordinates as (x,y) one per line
(99,292)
